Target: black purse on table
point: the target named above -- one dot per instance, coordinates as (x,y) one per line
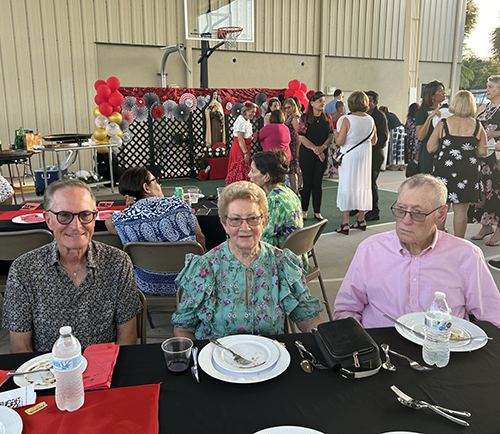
(346,347)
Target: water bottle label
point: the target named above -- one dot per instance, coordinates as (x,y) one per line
(439,325)
(66,364)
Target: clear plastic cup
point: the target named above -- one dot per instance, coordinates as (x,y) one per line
(193,195)
(177,352)
(219,191)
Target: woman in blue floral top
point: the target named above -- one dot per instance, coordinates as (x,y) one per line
(243,285)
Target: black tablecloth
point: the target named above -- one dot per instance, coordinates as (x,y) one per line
(322,400)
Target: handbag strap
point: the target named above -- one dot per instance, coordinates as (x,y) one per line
(360,143)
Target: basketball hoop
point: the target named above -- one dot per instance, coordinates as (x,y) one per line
(229,34)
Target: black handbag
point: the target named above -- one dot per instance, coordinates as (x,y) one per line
(412,168)
(337,157)
(346,347)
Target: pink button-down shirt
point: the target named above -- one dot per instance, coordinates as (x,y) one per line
(384,278)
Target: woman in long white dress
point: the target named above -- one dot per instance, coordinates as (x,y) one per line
(354,191)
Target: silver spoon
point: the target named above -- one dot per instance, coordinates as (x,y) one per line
(306,366)
(387,364)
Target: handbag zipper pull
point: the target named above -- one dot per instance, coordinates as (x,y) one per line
(356,360)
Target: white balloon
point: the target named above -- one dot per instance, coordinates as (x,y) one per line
(101,121)
(115,140)
(112,129)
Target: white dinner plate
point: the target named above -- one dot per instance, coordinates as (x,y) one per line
(260,350)
(12,422)
(29,219)
(41,380)
(198,195)
(401,432)
(104,215)
(206,363)
(289,430)
(416,322)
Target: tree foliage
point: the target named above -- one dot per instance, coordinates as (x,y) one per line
(495,43)
(471,14)
(475,71)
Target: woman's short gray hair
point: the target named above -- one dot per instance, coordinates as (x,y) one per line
(244,109)
(48,197)
(242,190)
(426,180)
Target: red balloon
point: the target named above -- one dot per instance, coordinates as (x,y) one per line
(113,83)
(288,93)
(105,108)
(98,100)
(116,98)
(294,84)
(303,87)
(98,83)
(104,91)
(117,109)
(300,95)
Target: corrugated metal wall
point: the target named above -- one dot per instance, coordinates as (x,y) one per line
(48,55)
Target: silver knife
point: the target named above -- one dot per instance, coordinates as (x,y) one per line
(194,368)
(420,335)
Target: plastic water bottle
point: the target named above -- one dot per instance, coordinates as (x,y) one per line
(67,361)
(437,330)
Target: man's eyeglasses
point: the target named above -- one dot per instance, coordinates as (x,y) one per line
(236,222)
(154,179)
(416,216)
(66,217)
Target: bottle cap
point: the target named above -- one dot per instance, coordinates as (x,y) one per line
(439,294)
(66,330)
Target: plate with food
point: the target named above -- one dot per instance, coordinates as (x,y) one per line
(460,331)
(41,380)
(104,215)
(28,219)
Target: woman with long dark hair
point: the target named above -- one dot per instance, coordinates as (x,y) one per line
(315,136)
(292,122)
(426,118)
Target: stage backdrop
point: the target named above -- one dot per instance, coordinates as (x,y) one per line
(164,128)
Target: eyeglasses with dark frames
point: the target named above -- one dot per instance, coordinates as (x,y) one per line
(236,222)
(66,217)
(154,179)
(416,216)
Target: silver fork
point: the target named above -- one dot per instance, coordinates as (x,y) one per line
(415,365)
(236,357)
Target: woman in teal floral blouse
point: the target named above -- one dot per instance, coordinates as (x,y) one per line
(243,285)
(284,216)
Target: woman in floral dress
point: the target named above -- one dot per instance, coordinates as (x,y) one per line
(292,122)
(243,285)
(488,212)
(459,140)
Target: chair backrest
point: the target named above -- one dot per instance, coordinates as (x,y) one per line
(141,318)
(17,243)
(301,241)
(108,238)
(164,257)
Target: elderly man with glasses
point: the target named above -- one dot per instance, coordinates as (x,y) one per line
(397,272)
(72,281)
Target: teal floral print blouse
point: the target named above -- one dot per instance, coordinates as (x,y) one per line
(284,215)
(214,301)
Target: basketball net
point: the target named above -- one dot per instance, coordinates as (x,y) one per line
(230,35)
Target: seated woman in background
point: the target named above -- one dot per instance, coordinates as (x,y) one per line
(244,285)
(153,218)
(284,216)
(275,135)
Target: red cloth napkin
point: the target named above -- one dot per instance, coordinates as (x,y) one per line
(9,215)
(3,376)
(101,360)
(124,410)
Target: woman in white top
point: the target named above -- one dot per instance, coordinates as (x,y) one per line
(239,155)
(354,191)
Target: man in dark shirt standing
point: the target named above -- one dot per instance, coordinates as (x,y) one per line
(377,151)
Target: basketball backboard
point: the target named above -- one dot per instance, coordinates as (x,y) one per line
(204,18)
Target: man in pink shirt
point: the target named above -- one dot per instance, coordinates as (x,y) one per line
(397,272)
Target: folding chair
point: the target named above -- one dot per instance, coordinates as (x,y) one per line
(108,238)
(163,257)
(301,242)
(141,318)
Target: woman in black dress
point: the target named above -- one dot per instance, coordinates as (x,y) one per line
(315,136)
(459,141)
(488,212)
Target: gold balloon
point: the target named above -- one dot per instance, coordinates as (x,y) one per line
(120,134)
(100,134)
(115,117)
(96,112)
